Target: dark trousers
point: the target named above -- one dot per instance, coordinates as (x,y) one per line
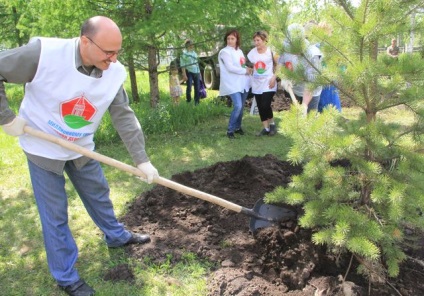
(263,101)
(193,79)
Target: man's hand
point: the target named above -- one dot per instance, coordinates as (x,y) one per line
(149,170)
(286,84)
(15,128)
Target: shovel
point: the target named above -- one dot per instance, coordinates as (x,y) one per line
(261,216)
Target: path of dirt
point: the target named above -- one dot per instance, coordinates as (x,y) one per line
(279,260)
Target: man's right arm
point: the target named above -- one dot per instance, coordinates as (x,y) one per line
(17,65)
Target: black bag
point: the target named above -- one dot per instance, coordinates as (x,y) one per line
(202,89)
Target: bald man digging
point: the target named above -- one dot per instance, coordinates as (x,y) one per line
(69,85)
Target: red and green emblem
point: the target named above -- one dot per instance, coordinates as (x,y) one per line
(260,67)
(77,112)
(243,62)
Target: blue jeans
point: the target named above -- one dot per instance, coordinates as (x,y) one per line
(193,79)
(238,99)
(313,104)
(52,203)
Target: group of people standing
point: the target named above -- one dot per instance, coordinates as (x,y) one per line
(258,73)
(237,78)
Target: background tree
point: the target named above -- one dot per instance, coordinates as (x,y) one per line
(10,13)
(153,30)
(361,187)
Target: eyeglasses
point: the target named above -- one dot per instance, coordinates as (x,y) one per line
(108,53)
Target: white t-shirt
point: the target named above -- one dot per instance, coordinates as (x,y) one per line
(262,70)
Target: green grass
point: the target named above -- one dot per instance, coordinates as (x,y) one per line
(201,143)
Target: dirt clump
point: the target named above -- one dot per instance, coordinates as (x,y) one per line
(278,260)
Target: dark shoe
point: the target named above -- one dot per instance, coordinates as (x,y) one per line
(230,135)
(263,132)
(80,288)
(137,238)
(239,131)
(272,129)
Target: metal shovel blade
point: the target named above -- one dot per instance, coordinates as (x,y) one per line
(269,215)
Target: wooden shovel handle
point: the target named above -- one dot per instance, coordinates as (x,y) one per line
(133,170)
(292,96)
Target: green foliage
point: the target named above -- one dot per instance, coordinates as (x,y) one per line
(333,188)
(167,118)
(170,118)
(360,181)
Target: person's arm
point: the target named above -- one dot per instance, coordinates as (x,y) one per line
(17,65)
(128,127)
(228,62)
(275,65)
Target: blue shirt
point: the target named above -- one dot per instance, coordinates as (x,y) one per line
(189,61)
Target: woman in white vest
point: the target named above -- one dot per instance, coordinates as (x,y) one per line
(234,80)
(69,85)
(264,81)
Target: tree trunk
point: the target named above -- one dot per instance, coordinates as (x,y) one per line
(372,94)
(17,31)
(133,79)
(153,77)
(411,34)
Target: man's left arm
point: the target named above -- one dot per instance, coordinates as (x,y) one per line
(129,129)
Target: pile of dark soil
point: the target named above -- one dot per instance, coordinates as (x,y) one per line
(275,261)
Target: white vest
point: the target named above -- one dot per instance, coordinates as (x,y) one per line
(64,102)
(231,82)
(291,62)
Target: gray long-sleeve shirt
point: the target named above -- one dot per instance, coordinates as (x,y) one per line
(19,65)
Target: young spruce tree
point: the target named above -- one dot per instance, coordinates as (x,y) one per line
(362,182)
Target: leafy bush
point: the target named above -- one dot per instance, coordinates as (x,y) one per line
(361,188)
(353,202)
(166,118)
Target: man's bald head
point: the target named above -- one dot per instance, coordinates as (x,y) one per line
(99,24)
(100,42)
